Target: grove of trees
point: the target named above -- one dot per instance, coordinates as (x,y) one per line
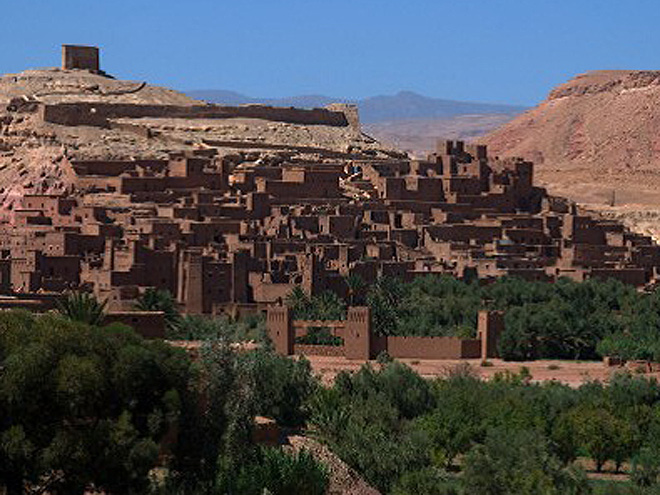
(462,435)
(86,406)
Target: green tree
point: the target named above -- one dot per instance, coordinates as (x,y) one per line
(364,419)
(452,428)
(518,462)
(110,398)
(645,470)
(281,386)
(357,288)
(299,302)
(602,435)
(383,299)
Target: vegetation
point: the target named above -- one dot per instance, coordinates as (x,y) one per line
(506,436)
(160,300)
(82,307)
(198,327)
(279,473)
(320,336)
(327,306)
(84,406)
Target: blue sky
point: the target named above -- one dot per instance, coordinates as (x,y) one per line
(509,51)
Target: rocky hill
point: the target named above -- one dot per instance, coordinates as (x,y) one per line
(596,140)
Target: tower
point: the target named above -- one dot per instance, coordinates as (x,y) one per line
(357,340)
(80,57)
(280,330)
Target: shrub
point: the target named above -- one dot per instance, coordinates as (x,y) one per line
(279,473)
(281,386)
(320,336)
(82,307)
(519,462)
(428,481)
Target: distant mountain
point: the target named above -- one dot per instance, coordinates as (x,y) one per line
(405,105)
(224,97)
(419,136)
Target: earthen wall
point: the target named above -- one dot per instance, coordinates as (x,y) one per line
(99,114)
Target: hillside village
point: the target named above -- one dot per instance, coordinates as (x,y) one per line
(250,298)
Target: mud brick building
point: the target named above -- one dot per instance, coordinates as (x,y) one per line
(233,226)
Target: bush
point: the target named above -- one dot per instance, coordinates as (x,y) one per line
(281,386)
(198,327)
(160,300)
(279,473)
(519,463)
(320,336)
(429,481)
(110,398)
(645,470)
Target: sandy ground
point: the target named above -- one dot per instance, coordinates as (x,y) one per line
(572,373)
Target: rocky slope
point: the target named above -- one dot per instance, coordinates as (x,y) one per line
(596,140)
(59,86)
(343,479)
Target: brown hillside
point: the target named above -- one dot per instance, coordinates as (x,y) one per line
(596,140)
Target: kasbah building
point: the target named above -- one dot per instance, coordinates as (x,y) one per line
(232,226)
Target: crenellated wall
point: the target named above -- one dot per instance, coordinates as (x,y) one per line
(360,343)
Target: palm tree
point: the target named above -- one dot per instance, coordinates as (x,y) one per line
(356,288)
(298,301)
(160,300)
(82,307)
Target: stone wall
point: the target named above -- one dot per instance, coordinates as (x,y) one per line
(99,114)
(149,324)
(360,342)
(433,348)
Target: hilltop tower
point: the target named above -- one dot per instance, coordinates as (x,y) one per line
(80,57)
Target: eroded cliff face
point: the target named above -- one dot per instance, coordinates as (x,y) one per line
(595,139)
(31,149)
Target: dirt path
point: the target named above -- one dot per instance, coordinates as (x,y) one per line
(572,373)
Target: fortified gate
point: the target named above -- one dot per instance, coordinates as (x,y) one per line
(360,343)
